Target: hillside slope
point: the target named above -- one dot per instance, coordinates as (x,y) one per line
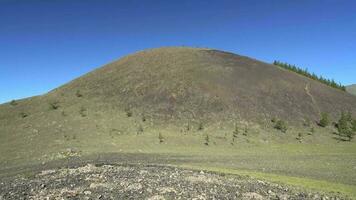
(165,90)
(351,89)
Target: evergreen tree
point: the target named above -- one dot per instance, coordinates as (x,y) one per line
(305,72)
(324,120)
(345,126)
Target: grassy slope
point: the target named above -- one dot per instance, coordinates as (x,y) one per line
(351,89)
(147,83)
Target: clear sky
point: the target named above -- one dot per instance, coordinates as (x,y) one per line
(46,43)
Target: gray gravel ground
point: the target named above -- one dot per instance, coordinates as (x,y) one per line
(140,181)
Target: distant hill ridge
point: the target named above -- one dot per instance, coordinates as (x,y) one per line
(351,89)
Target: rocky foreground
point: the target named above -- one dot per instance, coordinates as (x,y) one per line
(144,182)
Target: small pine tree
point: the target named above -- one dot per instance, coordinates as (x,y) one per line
(281,125)
(345,126)
(274,120)
(324,120)
(312,130)
(139,130)
(200,127)
(300,137)
(306,122)
(354,125)
(188,127)
(235,133)
(13,103)
(78,93)
(245,131)
(129,113)
(83,111)
(23,114)
(54,105)
(206,139)
(160,138)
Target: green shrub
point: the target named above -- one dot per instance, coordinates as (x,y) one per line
(281,125)
(324,120)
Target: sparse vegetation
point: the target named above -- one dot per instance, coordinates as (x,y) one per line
(305,72)
(324,120)
(281,125)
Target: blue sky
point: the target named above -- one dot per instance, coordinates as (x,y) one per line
(46,43)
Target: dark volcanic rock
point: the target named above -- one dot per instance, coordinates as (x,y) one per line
(143,182)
